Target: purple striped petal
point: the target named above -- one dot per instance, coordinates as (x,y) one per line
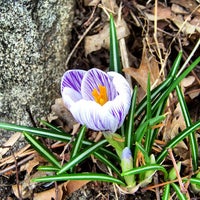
(94,116)
(92,79)
(119,107)
(72,79)
(70,96)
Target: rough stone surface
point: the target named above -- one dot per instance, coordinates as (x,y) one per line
(34,35)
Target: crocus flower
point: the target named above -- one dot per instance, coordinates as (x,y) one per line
(96,99)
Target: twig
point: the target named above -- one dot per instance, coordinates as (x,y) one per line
(155,33)
(92,15)
(82,37)
(189,58)
(18,164)
(182,187)
(56,191)
(157,189)
(161,184)
(17,176)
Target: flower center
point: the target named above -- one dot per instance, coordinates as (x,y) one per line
(100,96)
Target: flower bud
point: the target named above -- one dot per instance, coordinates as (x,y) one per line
(127,164)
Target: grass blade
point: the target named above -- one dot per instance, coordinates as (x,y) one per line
(192,138)
(130,124)
(142,169)
(176,140)
(59,136)
(78,142)
(81,176)
(148,116)
(77,159)
(107,163)
(40,148)
(166,192)
(174,84)
(180,195)
(114,49)
(155,93)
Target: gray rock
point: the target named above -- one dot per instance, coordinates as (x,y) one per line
(34,35)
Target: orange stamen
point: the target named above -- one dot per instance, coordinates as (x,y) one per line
(100,95)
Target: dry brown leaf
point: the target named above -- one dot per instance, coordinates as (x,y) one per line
(11,141)
(60,110)
(50,194)
(163,13)
(72,186)
(102,40)
(147,65)
(188,4)
(27,186)
(186,27)
(67,188)
(194,94)
(28,167)
(174,126)
(178,9)
(188,81)
(21,153)
(91,2)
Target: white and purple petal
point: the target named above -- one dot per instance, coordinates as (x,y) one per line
(92,80)
(119,107)
(70,96)
(72,79)
(94,116)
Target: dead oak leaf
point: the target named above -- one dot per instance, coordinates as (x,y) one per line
(102,40)
(173,127)
(147,65)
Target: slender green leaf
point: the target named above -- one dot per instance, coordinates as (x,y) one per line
(59,136)
(108,163)
(51,126)
(77,159)
(114,49)
(193,180)
(130,127)
(176,81)
(148,116)
(48,168)
(166,193)
(81,176)
(139,133)
(176,65)
(156,92)
(40,148)
(192,137)
(143,151)
(180,195)
(78,142)
(176,140)
(143,169)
